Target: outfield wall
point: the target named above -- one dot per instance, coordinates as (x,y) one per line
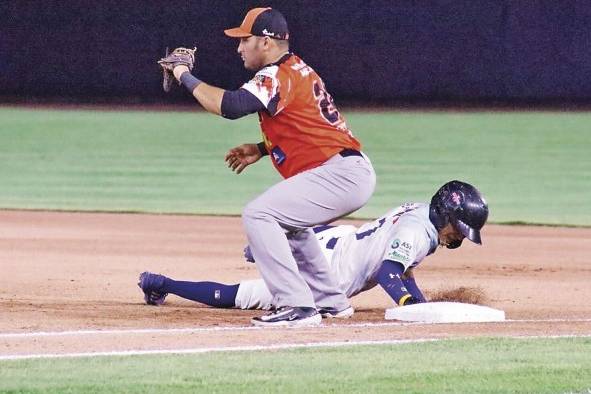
(367,51)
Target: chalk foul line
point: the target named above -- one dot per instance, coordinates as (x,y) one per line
(253,348)
(252,328)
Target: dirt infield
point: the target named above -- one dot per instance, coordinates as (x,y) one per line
(78,271)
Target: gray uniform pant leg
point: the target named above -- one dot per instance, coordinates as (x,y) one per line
(315,269)
(319,195)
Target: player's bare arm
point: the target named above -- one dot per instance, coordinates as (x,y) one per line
(178,65)
(242,156)
(256,52)
(231,104)
(210,97)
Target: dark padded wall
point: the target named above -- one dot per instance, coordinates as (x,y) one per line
(366,51)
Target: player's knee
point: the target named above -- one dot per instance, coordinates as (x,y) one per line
(253,211)
(252,214)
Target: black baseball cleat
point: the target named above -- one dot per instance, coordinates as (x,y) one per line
(289,316)
(332,313)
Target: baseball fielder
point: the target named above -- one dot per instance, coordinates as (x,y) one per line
(309,143)
(384,252)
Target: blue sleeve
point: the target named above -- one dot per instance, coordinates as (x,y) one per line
(389,277)
(239,103)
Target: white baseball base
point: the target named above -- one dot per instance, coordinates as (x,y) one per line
(445,312)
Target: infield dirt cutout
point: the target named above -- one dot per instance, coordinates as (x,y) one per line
(78,271)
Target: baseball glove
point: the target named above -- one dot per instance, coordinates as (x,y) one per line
(178,57)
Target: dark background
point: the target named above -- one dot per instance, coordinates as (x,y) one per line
(368,52)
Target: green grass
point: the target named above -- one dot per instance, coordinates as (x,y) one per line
(533,167)
(460,366)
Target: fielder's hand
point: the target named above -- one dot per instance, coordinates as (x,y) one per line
(242,156)
(178,57)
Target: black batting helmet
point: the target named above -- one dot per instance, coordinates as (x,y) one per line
(462,205)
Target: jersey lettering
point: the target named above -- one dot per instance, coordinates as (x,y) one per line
(369,232)
(326,104)
(332,243)
(302,68)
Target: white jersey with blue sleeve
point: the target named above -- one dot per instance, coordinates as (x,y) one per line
(404,234)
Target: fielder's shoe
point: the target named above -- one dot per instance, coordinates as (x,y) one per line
(151,284)
(289,316)
(332,313)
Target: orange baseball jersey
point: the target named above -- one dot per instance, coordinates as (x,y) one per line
(301,126)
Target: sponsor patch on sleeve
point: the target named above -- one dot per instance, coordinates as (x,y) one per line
(401,251)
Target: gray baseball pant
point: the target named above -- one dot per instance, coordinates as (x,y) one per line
(278,227)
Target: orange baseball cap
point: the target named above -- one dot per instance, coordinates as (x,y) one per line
(261,22)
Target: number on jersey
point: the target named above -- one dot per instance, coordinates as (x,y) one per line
(326,104)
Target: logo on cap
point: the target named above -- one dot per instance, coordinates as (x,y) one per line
(268,33)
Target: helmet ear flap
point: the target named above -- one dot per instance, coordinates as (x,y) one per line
(438,215)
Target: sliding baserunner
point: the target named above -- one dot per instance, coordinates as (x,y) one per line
(385,251)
